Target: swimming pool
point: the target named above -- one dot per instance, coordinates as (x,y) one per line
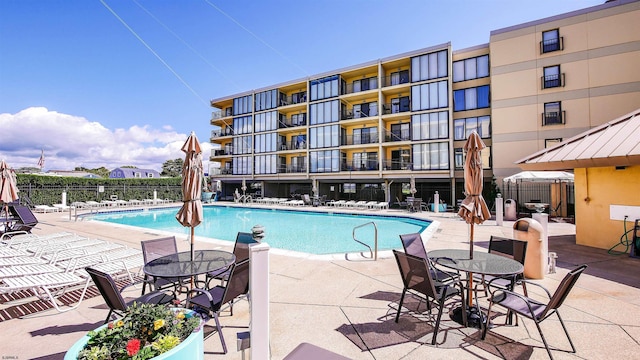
(301,231)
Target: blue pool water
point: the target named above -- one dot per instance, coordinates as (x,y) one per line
(308,232)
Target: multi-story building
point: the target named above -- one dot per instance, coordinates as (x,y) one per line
(368,130)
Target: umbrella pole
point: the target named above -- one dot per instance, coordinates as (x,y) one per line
(469,290)
(192,253)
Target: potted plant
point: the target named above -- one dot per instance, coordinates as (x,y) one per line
(147,331)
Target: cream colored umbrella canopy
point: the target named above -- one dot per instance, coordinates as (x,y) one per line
(191,214)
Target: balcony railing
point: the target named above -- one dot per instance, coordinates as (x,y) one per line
(364,165)
(295,99)
(289,122)
(551,45)
(394,80)
(357,114)
(552,81)
(553,118)
(392,136)
(289,169)
(369,138)
(391,108)
(396,165)
(293,145)
(220,171)
(356,88)
(221,152)
(228,131)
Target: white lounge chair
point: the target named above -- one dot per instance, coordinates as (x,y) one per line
(45,209)
(49,286)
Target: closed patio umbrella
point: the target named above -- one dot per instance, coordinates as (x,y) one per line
(190,214)
(8,188)
(473,209)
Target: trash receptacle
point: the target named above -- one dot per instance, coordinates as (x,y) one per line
(531,231)
(510,212)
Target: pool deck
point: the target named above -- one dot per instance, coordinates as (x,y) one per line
(344,305)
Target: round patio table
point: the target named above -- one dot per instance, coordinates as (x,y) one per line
(180,265)
(482,263)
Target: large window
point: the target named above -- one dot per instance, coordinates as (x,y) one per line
(433,156)
(242,145)
(242,165)
(430,126)
(324,88)
(266,164)
(266,121)
(324,161)
(267,100)
(242,105)
(365,136)
(462,128)
(429,96)
(365,161)
(429,66)
(551,41)
(551,77)
(471,98)
(324,112)
(324,136)
(552,113)
(399,77)
(365,110)
(266,142)
(459,158)
(364,84)
(242,125)
(473,68)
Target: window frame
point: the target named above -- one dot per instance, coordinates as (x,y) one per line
(552,80)
(547,46)
(559,118)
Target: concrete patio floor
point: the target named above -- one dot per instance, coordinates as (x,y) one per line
(347,305)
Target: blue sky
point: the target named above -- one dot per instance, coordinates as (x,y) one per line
(92,91)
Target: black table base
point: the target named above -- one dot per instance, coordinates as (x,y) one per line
(475,318)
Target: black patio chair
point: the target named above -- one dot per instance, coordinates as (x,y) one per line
(413,245)
(113,297)
(417,280)
(240,250)
(534,309)
(511,248)
(213,301)
(157,248)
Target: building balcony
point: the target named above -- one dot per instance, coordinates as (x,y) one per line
(293,145)
(360,165)
(396,165)
(369,138)
(551,45)
(285,123)
(221,152)
(394,136)
(394,108)
(552,81)
(289,169)
(394,80)
(228,131)
(553,118)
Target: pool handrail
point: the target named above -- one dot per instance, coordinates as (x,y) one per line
(374,254)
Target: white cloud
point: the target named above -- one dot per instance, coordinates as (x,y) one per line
(69,141)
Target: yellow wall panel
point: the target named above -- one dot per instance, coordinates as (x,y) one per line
(615,69)
(515,119)
(515,84)
(603,187)
(514,50)
(618,29)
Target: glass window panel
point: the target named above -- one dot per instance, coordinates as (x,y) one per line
(443,125)
(434,155)
(415,127)
(443,94)
(415,95)
(334,88)
(458,100)
(314,92)
(433,95)
(373,109)
(458,71)
(433,65)
(483,96)
(424,96)
(417,157)
(327,112)
(335,111)
(444,155)
(484,123)
(327,136)
(483,66)
(415,69)
(472,124)
(424,67)
(335,135)
(443,64)
(433,126)
(458,129)
(424,127)
(320,110)
(470,99)
(470,69)
(313,133)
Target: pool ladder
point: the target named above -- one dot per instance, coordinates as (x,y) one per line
(374,252)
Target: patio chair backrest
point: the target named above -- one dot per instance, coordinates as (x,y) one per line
(241,247)
(157,248)
(415,274)
(563,289)
(24,213)
(511,248)
(412,244)
(238,283)
(108,289)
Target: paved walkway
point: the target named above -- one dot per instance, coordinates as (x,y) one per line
(347,305)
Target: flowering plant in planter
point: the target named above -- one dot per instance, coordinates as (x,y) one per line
(146,331)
